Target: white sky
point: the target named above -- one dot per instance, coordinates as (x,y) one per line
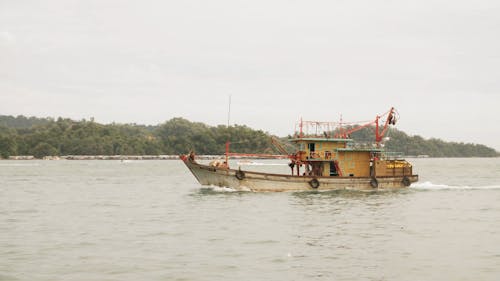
(437,62)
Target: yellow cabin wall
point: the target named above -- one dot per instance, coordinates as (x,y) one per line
(326,169)
(354,162)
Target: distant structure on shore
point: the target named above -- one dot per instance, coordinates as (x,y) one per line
(113,157)
(418,156)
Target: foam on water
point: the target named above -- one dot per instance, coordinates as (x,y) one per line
(421,186)
(221,189)
(129,161)
(427,185)
(107,221)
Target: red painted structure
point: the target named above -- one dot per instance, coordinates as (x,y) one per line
(390,119)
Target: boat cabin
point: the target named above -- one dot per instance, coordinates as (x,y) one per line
(337,157)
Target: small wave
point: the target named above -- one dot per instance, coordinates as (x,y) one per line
(432,186)
(131,161)
(221,189)
(214,188)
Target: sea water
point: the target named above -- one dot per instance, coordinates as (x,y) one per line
(151,220)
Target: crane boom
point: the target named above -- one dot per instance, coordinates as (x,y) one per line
(391,119)
(278,146)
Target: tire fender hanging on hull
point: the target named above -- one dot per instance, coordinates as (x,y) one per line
(314,183)
(406,181)
(240,175)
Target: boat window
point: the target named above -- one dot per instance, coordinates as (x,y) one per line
(333,170)
(328,154)
(312,146)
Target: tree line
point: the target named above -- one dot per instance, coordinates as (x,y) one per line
(47,136)
(399,141)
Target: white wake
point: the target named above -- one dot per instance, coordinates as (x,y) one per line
(432,186)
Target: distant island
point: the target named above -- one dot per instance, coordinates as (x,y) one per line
(41,137)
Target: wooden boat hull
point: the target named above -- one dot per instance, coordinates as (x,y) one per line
(255,181)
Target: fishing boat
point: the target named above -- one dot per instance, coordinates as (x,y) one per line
(326,159)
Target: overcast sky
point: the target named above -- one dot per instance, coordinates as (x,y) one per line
(437,62)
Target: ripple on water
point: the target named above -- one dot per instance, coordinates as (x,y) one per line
(129,225)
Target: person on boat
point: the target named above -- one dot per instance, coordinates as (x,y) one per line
(191,156)
(219,164)
(292,165)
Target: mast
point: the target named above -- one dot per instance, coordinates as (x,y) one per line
(227,153)
(301,128)
(229,111)
(341,131)
(227,142)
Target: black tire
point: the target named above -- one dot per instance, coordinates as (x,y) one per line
(314,183)
(374,182)
(406,181)
(240,174)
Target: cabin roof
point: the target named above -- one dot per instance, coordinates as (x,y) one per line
(320,140)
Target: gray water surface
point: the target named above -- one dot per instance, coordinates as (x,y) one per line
(150,220)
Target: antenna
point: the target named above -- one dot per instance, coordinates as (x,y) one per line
(340,127)
(227,142)
(229,112)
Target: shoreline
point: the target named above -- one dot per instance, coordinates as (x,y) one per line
(163,157)
(122,157)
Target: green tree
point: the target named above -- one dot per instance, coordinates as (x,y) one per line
(8,146)
(25,135)
(44,149)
